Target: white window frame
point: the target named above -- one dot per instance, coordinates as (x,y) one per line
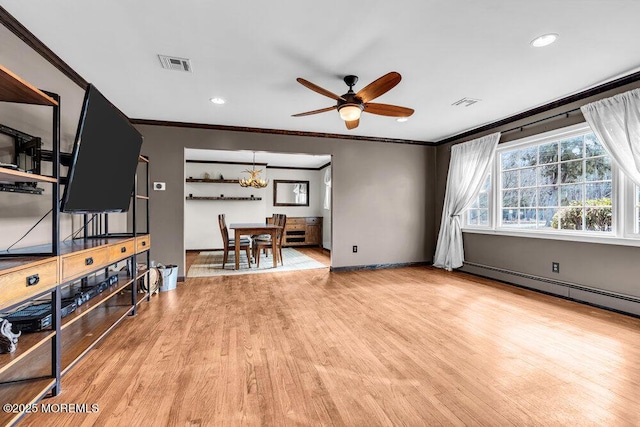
(624,229)
(631,225)
(490,208)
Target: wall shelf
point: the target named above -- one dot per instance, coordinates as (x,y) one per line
(225,198)
(15,89)
(214,181)
(19,176)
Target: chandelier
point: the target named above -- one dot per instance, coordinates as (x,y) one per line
(254,180)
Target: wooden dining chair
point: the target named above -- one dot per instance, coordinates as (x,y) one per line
(265,242)
(230,243)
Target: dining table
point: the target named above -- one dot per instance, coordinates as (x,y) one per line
(252,229)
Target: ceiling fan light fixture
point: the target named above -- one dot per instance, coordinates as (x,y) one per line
(350,112)
(544,40)
(351,105)
(402,119)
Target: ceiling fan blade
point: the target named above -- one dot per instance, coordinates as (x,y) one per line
(379,87)
(308,113)
(352,124)
(318,89)
(387,110)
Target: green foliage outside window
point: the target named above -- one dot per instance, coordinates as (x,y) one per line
(598,215)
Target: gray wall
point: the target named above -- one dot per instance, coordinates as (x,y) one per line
(610,268)
(383,200)
(18,212)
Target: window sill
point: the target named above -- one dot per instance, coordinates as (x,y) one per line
(605,240)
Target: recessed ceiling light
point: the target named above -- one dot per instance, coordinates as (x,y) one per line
(544,40)
(402,119)
(218,101)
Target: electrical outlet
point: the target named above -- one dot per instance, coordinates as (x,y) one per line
(159,186)
(355,249)
(555,267)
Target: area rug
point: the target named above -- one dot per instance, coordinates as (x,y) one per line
(209,263)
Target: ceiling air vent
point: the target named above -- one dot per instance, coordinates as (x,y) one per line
(465,102)
(175,63)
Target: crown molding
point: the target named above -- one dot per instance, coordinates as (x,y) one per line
(150,122)
(36,44)
(597,90)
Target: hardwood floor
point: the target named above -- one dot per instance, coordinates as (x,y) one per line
(407,346)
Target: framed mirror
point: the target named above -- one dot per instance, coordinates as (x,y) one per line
(290,192)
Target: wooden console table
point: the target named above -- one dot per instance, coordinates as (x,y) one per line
(302,231)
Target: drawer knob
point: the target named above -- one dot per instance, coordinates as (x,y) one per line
(123,249)
(33,280)
(144,243)
(88,261)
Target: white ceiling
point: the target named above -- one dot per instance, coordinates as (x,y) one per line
(250,53)
(271,159)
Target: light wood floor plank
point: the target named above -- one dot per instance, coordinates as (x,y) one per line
(407,346)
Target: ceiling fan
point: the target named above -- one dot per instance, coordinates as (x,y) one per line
(352,104)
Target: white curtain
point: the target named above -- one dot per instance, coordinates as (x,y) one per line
(327,188)
(616,123)
(468,168)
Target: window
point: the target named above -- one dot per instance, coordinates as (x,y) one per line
(478,213)
(561,183)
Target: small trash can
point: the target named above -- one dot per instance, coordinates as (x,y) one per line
(169,277)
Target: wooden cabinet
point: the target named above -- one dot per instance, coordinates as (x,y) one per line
(302,231)
(314,234)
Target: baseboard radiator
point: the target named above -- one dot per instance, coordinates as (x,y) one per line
(627,304)
(378,266)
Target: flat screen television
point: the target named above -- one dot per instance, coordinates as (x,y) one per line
(105,155)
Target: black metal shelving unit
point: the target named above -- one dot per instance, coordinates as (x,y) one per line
(53,270)
(21,380)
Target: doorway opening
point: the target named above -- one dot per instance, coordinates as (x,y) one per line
(212,188)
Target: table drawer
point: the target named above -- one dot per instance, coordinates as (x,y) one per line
(83,263)
(121,250)
(143,243)
(24,282)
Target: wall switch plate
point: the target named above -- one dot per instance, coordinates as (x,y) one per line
(355,249)
(555,267)
(159,186)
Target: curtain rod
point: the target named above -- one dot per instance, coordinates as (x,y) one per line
(521,127)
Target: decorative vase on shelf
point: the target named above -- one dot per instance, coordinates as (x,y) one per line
(206,175)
